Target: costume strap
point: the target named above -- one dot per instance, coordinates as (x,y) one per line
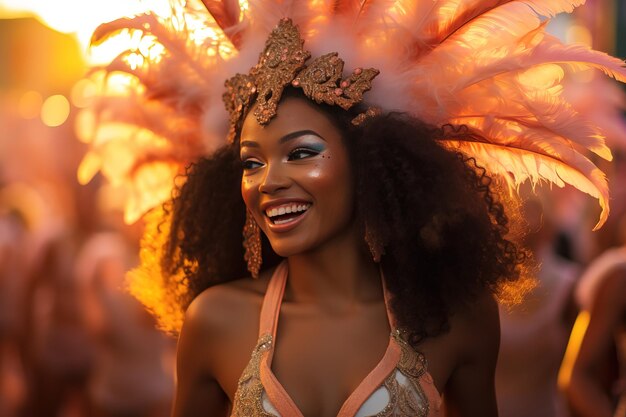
(388,296)
(272,301)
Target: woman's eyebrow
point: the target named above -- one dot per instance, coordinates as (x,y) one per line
(297,134)
(249,144)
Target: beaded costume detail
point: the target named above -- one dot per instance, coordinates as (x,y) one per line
(407,400)
(249,395)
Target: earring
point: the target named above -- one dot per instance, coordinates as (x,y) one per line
(252,245)
(377,249)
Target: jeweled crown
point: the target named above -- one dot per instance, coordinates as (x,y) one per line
(282,63)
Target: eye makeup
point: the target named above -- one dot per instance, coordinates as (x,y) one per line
(313,146)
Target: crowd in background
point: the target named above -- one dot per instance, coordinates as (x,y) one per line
(72,341)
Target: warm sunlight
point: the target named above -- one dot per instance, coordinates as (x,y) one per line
(80,18)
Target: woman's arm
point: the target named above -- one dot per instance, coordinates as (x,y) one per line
(470,391)
(584,392)
(197,391)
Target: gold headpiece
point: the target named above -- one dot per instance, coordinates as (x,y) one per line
(282,63)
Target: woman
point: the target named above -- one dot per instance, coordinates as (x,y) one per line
(358,223)
(388,177)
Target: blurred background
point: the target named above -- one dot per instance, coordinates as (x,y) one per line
(74,343)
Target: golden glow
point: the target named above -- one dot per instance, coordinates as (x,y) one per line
(165,299)
(573,347)
(55,110)
(30,104)
(81,18)
(115,146)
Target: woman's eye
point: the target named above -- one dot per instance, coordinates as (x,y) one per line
(302,153)
(250,164)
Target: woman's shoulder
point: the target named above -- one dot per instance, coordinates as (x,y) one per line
(469,347)
(221,326)
(223,305)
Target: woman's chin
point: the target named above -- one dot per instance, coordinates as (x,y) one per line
(290,247)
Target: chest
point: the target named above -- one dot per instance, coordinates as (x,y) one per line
(319,358)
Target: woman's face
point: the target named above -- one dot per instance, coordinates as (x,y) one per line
(296,179)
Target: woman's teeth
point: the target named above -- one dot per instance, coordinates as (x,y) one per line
(296,208)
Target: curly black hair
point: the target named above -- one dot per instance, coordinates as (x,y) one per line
(435,212)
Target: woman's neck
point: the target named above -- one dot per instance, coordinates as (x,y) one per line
(337,274)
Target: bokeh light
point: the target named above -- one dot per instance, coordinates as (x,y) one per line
(55,110)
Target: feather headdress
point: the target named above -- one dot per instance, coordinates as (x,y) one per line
(488,65)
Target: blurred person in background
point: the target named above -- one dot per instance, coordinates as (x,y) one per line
(132,374)
(57,349)
(13,238)
(534,333)
(594,369)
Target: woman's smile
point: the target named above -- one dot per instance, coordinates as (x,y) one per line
(283,215)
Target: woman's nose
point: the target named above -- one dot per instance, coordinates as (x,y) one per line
(274,180)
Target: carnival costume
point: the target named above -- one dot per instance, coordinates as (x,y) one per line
(399,385)
(483,67)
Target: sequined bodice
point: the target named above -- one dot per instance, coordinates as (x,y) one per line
(398,386)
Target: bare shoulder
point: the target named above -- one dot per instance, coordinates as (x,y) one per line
(473,339)
(221,329)
(472,326)
(225,306)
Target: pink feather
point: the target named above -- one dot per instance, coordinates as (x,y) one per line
(486,64)
(226,15)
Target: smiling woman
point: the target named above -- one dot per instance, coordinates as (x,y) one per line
(342,204)
(374,241)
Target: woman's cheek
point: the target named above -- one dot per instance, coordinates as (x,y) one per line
(247,192)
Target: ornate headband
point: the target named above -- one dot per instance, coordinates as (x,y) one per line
(282,63)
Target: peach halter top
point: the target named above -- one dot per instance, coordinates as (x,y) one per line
(398,386)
